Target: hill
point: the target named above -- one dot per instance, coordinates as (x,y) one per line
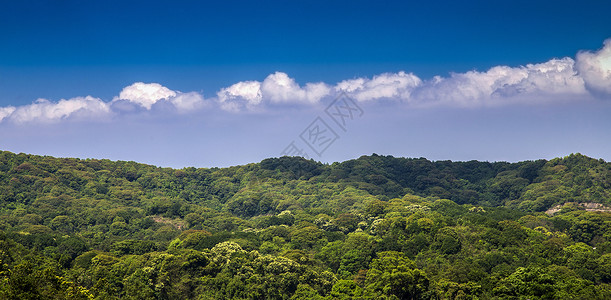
(372,227)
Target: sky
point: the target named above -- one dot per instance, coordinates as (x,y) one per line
(215,84)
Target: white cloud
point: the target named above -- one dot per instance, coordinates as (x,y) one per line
(557,76)
(384,86)
(6,111)
(247,90)
(145,94)
(242,94)
(503,84)
(186,102)
(595,68)
(46,111)
(496,86)
(277,88)
(565,78)
(280,88)
(148,94)
(135,98)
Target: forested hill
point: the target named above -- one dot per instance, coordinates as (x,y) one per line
(529,186)
(372,227)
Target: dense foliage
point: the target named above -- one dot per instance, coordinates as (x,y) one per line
(376,227)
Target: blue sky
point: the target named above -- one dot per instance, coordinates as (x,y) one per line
(194,83)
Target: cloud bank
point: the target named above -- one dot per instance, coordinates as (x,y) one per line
(136,97)
(502,85)
(44,110)
(586,76)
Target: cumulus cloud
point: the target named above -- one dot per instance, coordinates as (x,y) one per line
(557,76)
(547,81)
(388,85)
(6,111)
(186,102)
(565,78)
(145,94)
(503,84)
(277,88)
(242,94)
(44,110)
(497,85)
(595,69)
(135,98)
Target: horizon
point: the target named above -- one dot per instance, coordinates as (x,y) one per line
(316,161)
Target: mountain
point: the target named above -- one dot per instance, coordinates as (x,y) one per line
(372,227)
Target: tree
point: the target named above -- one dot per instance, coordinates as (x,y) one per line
(394,274)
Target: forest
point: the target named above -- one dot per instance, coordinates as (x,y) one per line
(376,227)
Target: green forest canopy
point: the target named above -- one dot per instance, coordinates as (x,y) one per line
(289,228)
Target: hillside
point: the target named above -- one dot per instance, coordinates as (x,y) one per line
(372,227)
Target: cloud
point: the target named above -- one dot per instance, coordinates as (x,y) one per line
(46,111)
(557,76)
(145,94)
(589,74)
(244,94)
(186,102)
(6,111)
(276,88)
(136,98)
(498,85)
(280,88)
(503,84)
(595,69)
(384,86)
